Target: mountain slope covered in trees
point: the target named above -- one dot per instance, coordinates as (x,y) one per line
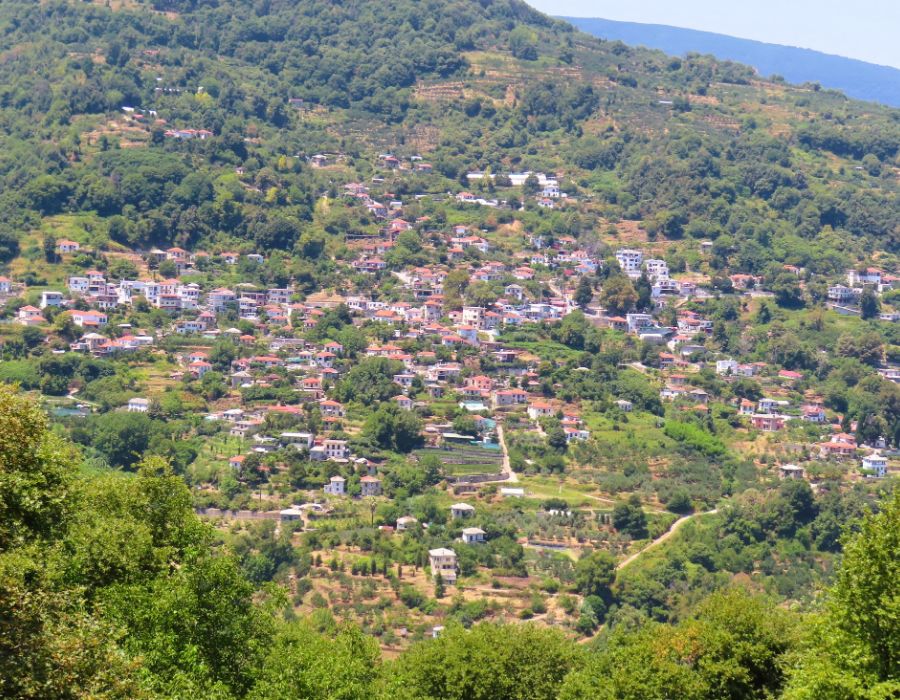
(688,147)
(132,124)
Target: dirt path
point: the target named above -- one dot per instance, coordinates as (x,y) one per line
(511,476)
(655,543)
(663,537)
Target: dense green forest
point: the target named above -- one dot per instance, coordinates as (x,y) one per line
(110,587)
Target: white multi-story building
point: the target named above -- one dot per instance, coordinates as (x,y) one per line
(473,315)
(767,405)
(336,486)
(876,465)
(630,261)
(637,321)
(841,294)
(656,269)
(871,275)
(151,291)
(336,449)
(190,295)
(443,562)
(168,302)
(218,298)
(49,298)
(278,296)
(79,285)
(299,441)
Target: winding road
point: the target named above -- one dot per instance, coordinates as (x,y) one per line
(655,543)
(663,537)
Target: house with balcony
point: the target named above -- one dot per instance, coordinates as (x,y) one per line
(442,562)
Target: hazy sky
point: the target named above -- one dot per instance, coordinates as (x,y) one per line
(864,29)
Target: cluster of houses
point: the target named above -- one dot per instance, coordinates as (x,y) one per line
(548,193)
(845,298)
(420,315)
(770,414)
(537,283)
(315,367)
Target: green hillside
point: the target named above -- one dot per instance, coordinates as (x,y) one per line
(692,148)
(111,587)
(340,359)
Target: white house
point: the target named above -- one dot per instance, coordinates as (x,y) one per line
(766,405)
(336,449)
(630,261)
(336,486)
(875,465)
(218,298)
(576,434)
(638,321)
(187,327)
(814,414)
(841,294)
(656,269)
(299,441)
(84,319)
(30,316)
(871,275)
(199,368)
(461,510)
(539,409)
(50,298)
(443,562)
(138,405)
(514,291)
(509,397)
(726,367)
(78,285)
(473,535)
(473,315)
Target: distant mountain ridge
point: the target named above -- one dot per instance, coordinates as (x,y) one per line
(858,79)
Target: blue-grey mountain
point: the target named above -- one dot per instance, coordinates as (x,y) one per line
(864,81)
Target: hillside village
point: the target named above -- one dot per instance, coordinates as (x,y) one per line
(439,347)
(435,349)
(318,405)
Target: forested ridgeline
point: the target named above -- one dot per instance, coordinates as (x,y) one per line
(692,148)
